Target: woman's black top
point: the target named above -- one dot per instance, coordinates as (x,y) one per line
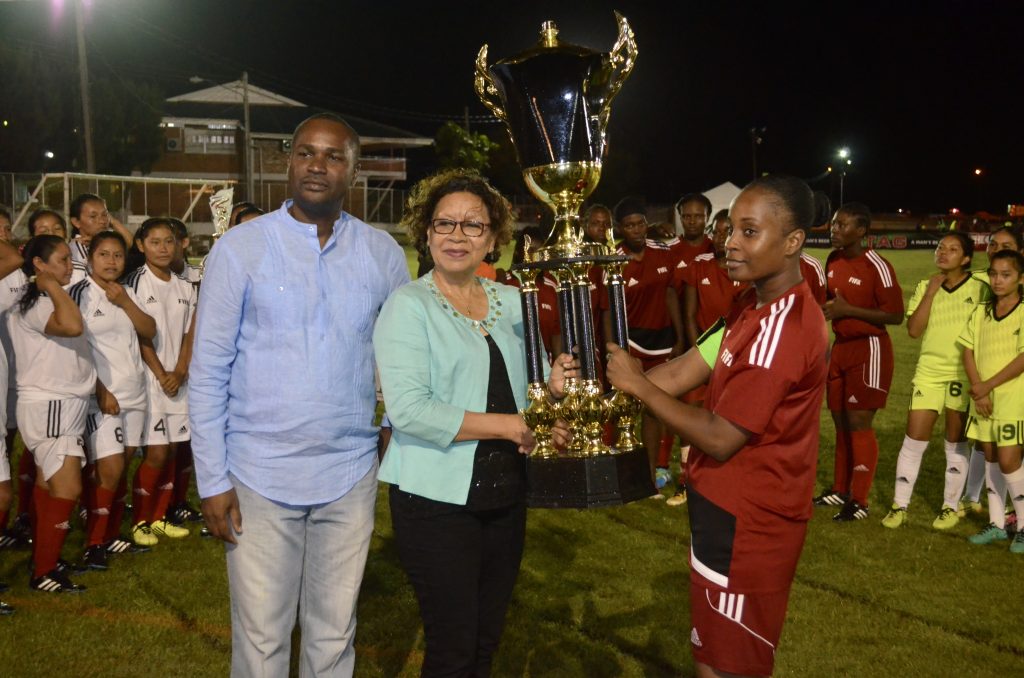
(499,471)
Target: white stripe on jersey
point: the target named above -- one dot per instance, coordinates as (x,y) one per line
(763,350)
(881,267)
(816,265)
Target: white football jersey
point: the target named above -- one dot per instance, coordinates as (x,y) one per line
(11,289)
(114,344)
(172,304)
(49,368)
(79,260)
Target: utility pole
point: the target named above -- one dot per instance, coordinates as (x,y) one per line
(83,80)
(250,189)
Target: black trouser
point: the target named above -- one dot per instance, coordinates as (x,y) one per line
(463,566)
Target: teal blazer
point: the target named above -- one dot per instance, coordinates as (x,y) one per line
(434,367)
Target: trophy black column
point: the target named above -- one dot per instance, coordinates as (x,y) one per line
(531,330)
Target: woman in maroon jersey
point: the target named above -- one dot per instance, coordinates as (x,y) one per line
(752,466)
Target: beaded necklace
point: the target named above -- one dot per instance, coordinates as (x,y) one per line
(493,306)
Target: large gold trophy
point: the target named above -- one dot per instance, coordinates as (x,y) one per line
(555,99)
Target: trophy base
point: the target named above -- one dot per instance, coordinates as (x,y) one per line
(588,482)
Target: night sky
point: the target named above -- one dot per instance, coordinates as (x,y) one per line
(922,95)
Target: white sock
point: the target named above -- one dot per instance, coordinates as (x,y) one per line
(996,494)
(976,475)
(956,473)
(1015,484)
(908,465)
(684,454)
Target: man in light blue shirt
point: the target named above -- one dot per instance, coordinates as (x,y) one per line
(282,398)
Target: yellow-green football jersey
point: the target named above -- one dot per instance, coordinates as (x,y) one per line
(941,358)
(996,342)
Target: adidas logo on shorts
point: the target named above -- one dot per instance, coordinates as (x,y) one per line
(151,300)
(694,638)
(918,394)
(853,399)
(183,429)
(969,300)
(705,281)
(98,314)
(632,281)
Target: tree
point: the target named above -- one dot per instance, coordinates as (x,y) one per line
(43,112)
(126,126)
(457,147)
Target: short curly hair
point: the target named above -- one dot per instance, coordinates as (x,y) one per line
(424,196)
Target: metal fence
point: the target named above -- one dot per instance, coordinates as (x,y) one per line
(130,199)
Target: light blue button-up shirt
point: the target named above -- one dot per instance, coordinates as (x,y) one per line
(281,385)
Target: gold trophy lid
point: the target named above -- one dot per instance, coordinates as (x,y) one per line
(547,44)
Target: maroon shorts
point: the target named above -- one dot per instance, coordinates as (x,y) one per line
(860,373)
(735,632)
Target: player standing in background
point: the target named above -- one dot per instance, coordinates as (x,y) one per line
(171,301)
(707,291)
(55,378)
(1004,238)
(180,512)
(993,342)
(863,297)
(10,262)
(652,306)
(116,419)
(938,310)
(89,217)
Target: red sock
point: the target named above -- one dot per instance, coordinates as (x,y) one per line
(117,510)
(865,461)
(52,526)
(841,484)
(182,472)
(665,450)
(144,491)
(164,491)
(26,481)
(88,487)
(99,516)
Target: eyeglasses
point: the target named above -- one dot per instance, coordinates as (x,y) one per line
(471,229)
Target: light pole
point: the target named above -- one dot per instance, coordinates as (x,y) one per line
(250,188)
(844,162)
(83,83)
(756,139)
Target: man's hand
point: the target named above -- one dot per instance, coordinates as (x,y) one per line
(223,515)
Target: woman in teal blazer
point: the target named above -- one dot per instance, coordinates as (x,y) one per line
(449,349)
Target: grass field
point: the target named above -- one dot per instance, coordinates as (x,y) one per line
(601,593)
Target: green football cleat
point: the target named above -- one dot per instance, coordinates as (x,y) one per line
(143,535)
(896,517)
(988,534)
(946,519)
(1017,545)
(163,528)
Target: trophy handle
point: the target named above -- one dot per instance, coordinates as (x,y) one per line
(483,82)
(622,58)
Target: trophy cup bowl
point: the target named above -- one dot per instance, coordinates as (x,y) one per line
(554,99)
